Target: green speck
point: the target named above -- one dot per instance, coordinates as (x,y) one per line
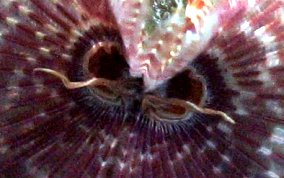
(150,26)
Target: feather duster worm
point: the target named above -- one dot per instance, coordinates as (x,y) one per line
(129,88)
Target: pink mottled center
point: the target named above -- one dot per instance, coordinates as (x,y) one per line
(168,49)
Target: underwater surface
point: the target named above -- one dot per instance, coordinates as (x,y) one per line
(142,88)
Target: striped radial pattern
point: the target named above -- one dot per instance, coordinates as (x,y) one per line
(47,130)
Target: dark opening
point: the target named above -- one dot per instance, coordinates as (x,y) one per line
(103,64)
(186,86)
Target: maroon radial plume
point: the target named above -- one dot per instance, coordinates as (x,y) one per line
(141,88)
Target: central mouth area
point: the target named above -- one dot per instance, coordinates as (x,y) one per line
(106,60)
(167,102)
(100,78)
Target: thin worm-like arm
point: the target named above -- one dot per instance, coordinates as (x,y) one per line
(211,112)
(73,85)
(165,105)
(100,81)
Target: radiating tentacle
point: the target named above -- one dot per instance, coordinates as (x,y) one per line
(73,85)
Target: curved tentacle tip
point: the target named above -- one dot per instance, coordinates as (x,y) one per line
(208,111)
(67,83)
(41,70)
(226,117)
